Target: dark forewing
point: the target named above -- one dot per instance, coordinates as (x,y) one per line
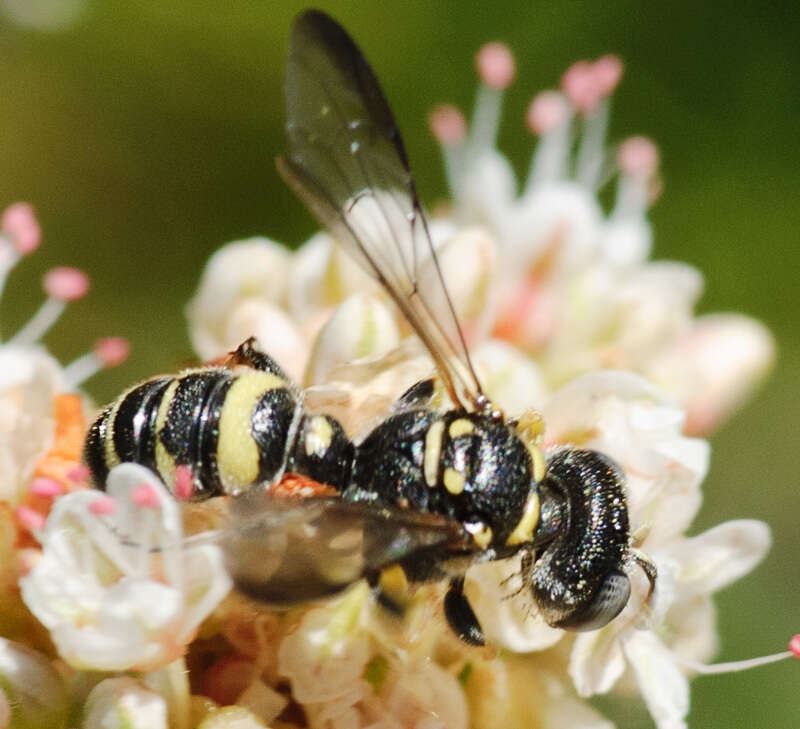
(347,161)
(285,551)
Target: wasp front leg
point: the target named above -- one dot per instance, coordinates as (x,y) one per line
(460,616)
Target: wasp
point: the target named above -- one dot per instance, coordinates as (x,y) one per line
(430,491)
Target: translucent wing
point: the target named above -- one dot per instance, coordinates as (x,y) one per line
(285,551)
(346,160)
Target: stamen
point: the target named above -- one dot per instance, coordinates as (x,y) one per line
(736,666)
(61,285)
(146,496)
(495,65)
(108,352)
(638,159)
(588,86)
(20,235)
(549,116)
(448,125)
(578,83)
(608,73)
(19,224)
(496,69)
(450,129)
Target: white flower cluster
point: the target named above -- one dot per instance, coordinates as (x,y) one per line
(564,312)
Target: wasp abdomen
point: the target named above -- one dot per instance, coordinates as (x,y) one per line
(229,429)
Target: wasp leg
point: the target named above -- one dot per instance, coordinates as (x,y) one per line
(249,353)
(460,616)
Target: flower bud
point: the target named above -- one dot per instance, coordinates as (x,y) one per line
(361,327)
(32,693)
(124,703)
(255,268)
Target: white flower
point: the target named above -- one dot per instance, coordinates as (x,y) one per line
(418,694)
(252,269)
(576,289)
(115,586)
(29,380)
(124,703)
(640,427)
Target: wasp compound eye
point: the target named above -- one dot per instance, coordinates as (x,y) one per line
(609,600)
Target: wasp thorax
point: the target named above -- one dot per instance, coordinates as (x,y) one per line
(470,467)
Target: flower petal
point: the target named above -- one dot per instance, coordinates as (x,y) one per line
(720,555)
(664,688)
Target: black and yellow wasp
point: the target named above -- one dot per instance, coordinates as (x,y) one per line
(432,492)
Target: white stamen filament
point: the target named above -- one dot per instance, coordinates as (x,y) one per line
(631,197)
(485,120)
(40,323)
(81,369)
(591,152)
(8,259)
(549,160)
(454,163)
(734,666)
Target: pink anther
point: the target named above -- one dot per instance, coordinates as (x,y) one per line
(104,506)
(146,496)
(638,156)
(29,519)
(20,225)
(112,351)
(546,111)
(607,72)
(794,645)
(495,65)
(580,86)
(66,284)
(448,124)
(48,488)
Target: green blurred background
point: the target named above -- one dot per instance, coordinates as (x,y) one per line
(145,132)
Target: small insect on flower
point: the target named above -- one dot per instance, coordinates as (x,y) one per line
(432,491)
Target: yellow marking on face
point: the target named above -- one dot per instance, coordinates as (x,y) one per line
(237,452)
(433,450)
(462,426)
(453,480)
(165,463)
(523,532)
(319,435)
(481,534)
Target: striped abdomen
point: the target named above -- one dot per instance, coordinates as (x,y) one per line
(230,429)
